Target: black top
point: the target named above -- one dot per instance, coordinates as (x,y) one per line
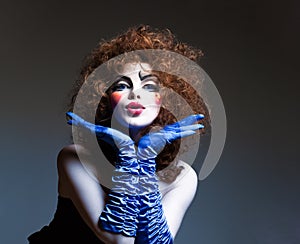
(66,227)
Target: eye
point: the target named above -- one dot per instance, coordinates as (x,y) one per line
(120,86)
(153,87)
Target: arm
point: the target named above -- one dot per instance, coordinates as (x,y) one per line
(85,192)
(176,201)
(150,209)
(121,210)
(153,225)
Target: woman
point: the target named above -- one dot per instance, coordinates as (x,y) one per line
(140,207)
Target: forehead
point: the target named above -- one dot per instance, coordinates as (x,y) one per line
(134,68)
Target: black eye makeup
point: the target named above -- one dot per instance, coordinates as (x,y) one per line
(153,87)
(120,86)
(149,83)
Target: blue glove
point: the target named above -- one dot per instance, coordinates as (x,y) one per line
(120,213)
(153,143)
(153,227)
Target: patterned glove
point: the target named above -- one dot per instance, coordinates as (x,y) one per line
(153,227)
(121,211)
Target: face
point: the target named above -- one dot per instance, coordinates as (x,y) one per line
(135,96)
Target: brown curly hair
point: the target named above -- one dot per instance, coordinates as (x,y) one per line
(144,37)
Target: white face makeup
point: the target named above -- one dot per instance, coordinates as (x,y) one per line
(135,96)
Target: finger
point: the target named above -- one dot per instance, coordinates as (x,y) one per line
(71,122)
(71,114)
(182,134)
(78,121)
(75,122)
(187,121)
(187,133)
(190,119)
(184,128)
(75,117)
(191,127)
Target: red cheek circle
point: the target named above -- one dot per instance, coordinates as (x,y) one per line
(157,99)
(115,98)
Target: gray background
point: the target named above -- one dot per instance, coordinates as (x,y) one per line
(251,54)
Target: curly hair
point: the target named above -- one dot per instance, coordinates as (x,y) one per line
(144,37)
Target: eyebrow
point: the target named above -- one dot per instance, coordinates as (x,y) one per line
(145,76)
(123,77)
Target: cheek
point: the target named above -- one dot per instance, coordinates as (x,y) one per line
(115,98)
(157,99)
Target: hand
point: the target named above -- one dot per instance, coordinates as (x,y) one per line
(180,129)
(121,143)
(109,135)
(151,144)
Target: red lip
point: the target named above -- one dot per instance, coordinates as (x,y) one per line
(135,108)
(134,105)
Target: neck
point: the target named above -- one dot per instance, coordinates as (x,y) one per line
(132,131)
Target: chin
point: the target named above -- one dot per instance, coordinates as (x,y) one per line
(140,122)
(136,122)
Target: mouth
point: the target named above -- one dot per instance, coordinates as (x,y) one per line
(134,108)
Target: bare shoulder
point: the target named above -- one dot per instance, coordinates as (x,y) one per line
(178,195)
(69,155)
(69,168)
(69,151)
(187,179)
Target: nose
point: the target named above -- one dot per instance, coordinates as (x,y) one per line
(132,95)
